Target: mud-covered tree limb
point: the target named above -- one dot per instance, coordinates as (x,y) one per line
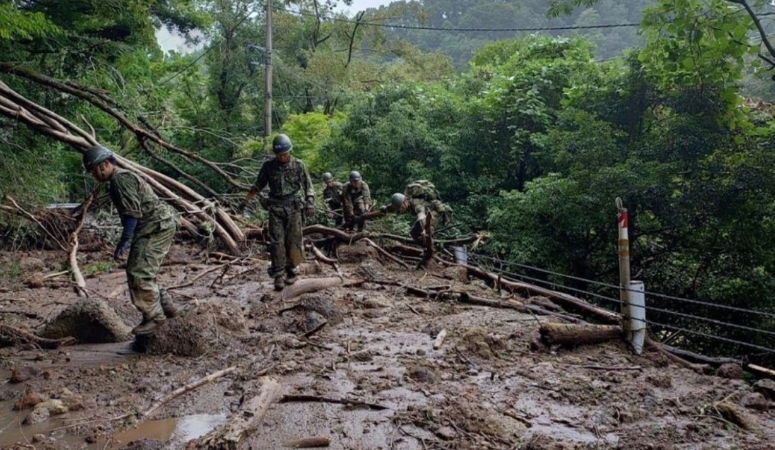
(244,422)
(28,215)
(80,282)
(187,388)
(13,336)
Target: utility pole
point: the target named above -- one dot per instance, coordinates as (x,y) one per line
(268,65)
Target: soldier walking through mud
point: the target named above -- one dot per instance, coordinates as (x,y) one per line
(289,185)
(332,197)
(149,226)
(356,202)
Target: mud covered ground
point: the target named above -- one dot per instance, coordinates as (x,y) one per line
(486,387)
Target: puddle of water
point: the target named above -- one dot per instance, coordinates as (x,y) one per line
(180,429)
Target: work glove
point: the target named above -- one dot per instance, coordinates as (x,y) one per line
(120,249)
(329,215)
(309,210)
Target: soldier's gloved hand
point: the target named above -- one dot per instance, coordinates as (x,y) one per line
(120,249)
(309,210)
(329,215)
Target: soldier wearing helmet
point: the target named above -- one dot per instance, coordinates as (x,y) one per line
(290,191)
(149,225)
(332,197)
(420,199)
(356,201)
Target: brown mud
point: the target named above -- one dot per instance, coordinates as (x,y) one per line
(486,387)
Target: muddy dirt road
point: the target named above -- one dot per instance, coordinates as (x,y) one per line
(485,387)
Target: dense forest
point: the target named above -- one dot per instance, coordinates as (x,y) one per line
(530,136)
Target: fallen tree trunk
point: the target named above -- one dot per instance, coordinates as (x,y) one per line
(245,421)
(568,302)
(571,335)
(699,368)
(16,107)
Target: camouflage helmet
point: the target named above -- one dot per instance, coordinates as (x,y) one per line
(94,156)
(397,200)
(281,144)
(355,176)
(327,177)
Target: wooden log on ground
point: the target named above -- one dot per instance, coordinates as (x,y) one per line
(571,335)
(244,422)
(315,284)
(439,339)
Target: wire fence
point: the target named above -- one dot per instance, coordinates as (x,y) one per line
(736,334)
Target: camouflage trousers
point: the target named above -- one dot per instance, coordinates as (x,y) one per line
(285,240)
(418,228)
(149,247)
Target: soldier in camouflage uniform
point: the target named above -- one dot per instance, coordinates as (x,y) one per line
(356,201)
(149,225)
(420,199)
(332,197)
(289,184)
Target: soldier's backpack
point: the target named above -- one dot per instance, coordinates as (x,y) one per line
(422,189)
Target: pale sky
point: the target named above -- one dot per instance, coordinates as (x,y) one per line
(175,42)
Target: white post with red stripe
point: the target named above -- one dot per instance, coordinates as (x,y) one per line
(624,261)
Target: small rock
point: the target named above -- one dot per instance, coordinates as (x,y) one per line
(24,373)
(73,402)
(38,437)
(28,400)
(54,407)
(28,264)
(376,303)
(422,374)
(420,352)
(38,415)
(755,401)
(446,433)
(766,387)
(731,371)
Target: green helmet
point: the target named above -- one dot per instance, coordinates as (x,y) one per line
(355,176)
(94,156)
(281,144)
(397,200)
(327,177)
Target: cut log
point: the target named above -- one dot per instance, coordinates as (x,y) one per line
(315,284)
(571,335)
(246,421)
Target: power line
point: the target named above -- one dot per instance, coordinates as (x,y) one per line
(430,28)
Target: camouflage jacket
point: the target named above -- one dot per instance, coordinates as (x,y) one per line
(332,196)
(356,201)
(420,207)
(287,182)
(133,197)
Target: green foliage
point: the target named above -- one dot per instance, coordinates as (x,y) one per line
(18,25)
(309,132)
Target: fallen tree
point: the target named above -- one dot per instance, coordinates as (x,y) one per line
(192,205)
